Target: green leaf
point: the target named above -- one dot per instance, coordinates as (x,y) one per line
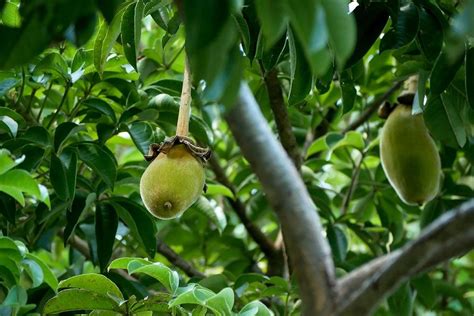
(48,276)
(131,27)
(308,19)
(82,201)
(425,290)
(419,99)
(59,178)
(142,135)
(255,308)
(192,294)
(443,117)
(370,19)
(16,295)
(7,83)
(222,302)
(100,106)
(342,29)
(139,221)
(273,19)
(428,38)
(8,124)
(444,70)
(160,272)
(105,40)
(79,299)
(35,272)
(123,263)
(21,45)
(219,189)
(106,223)
(301,77)
(216,216)
(401,302)
(99,159)
(204,20)
(11,14)
(157,303)
(20,180)
(7,162)
(62,132)
(404,29)
(93,282)
(348,91)
(338,242)
(470,76)
(55,64)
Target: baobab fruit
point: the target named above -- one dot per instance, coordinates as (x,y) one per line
(172,182)
(409,156)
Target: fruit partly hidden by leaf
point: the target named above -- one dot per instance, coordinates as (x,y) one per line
(409,156)
(172,182)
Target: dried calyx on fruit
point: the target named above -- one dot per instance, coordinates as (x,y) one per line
(410,157)
(175,177)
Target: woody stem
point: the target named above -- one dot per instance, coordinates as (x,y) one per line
(182,127)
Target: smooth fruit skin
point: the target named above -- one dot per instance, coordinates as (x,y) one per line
(172,183)
(410,158)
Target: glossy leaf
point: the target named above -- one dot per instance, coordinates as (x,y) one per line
(131,26)
(79,299)
(106,222)
(93,282)
(99,159)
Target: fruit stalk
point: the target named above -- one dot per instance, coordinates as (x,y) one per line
(182,126)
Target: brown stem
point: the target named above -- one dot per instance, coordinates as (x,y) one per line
(177,261)
(449,236)
(282,119)
(371,108)
(307,248)
(182,127)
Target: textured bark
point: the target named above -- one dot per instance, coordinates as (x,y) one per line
(449,236)
(308,250)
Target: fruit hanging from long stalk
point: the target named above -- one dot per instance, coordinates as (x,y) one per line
(175,177)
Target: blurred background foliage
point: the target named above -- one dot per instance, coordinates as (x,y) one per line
(86,86)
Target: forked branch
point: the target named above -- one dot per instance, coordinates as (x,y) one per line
(449,236)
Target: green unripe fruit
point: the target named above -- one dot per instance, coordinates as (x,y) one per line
(409,156)
(172,183)
(164,100)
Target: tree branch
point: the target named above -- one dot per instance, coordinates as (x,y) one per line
(371,108)
(177,261)
(282,120)
(265,244)
(308,250)
(450,235)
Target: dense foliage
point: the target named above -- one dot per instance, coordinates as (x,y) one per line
(87,86)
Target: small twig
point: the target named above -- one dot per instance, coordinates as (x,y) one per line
(282,119)
(352,185)
(177,261)
(371,108)
(53,118)
(33,92)
(44,101)
(168,65)
(182,127)
(22,87)
(319,131)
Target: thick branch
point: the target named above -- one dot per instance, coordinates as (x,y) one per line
(308,250)
(255,233)
(371,108)
(177,261)
(449,236)
(282,120)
